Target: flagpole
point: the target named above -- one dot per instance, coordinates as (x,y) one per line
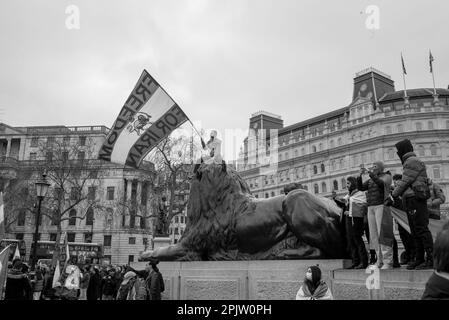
(406,101)
(435,96)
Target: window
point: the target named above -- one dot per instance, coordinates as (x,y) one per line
(303,151)
(433,150)
(82,140)
(65,155)
(176,219)
(50,141)
(418,126)
(90,217)
(280,157)
(320,147)
(296,152)
(53,236)
(49,156)
(110,193)
(38,237)
(130,259)
(315,188)
(322,167)
(81,155)
(387,130)
(421,151)
(107,241)
(132,219)
(55,219)
(373,156)
(107,259)
(91,193)
(71,237)
(88,237)
(390,154)
(33,156)
(272,193)
(436,173)
(323,187)
(145,241)
(73,193)
(34,142)
(306,188)
(340,141)
(363,158)
(66,140)
(72,217)
(342,163)
(447,124)
(335,183)
(332,144)
(315,170)
(132,240)
(21,218)
(400,128)
(343,183)
(286,156)
(19,236)
(266,195)
(313,149)
(142,223)
(430,125)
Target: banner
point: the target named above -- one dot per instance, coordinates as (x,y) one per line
(4,255)
(148,116)
(2,217)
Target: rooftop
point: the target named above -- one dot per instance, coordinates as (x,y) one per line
(412,93)
(371,69)
(266,113)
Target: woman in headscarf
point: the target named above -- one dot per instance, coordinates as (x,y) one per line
(314,288)
(127,289)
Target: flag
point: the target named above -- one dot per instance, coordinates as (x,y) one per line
(16,252)
(148,116)
(400,216)
(4,255)
(430,61)
(2,217)
(403,65)
(56,275)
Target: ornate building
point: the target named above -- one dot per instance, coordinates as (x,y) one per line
(321,152)
(120,220)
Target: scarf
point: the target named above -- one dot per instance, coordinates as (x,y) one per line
(319,292)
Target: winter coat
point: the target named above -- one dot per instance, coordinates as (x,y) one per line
(155,285)
(108,286)
(436,199)
(414,175)
(127,291)
(93,289)
(84,283)
(437,288)
(375,187)
(18,286)
(322,292)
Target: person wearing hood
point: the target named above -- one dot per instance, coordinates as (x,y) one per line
(314,288)
(414,189)
(437,287)
(380,228)
(127,290)
(18,286)
(354,213)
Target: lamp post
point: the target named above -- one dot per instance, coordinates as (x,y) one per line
(41,190)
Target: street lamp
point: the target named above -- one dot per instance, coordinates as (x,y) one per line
(41,190)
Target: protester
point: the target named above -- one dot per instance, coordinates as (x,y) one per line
(380,226)
(155,281)
(48,293)
(38,284)
(93,289)
(18,286)
(415,192)
(127,290)
(84,284)
(355,209)
(436,199)
(314,288)
(437,287)
(407,240)
(108,286)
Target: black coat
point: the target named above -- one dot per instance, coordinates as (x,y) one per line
(93,290)
(18,286)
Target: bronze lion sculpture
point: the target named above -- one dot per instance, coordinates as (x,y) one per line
(225,222)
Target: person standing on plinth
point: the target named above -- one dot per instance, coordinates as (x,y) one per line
(213,147)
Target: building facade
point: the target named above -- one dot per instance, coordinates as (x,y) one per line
(320,153)
(122,198)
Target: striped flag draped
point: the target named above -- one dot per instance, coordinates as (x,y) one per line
(403,65)
(430,61)
(4,255)
(148,116)
(2,217)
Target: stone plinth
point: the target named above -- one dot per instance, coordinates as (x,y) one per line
(160,242)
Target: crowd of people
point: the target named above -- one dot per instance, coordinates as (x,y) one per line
(89,282)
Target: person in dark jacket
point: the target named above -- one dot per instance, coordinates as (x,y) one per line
(93,289)
(378,188)
(108,286)
(437,287)
(18,286)
(155,281)
(414,189)
(354,213)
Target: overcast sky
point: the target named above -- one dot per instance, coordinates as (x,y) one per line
(220,60)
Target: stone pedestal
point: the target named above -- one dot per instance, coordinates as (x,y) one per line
(160,242)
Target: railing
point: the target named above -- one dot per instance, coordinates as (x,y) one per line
(66,130)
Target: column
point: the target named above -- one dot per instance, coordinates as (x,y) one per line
(8,147)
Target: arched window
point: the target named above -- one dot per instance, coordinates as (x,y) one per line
(400,128)
(323,187)
(315,170)
(342,163)
(322,167)
(390,154)
(343,183)
(387,130)
(305,187)
(320,146)
(286,156)
(272,193)
(72,217)
(430,125)
(363,158)
(421,151)
(313,149)
(418,126)
(433,150)
(436,173)
(332,144)
(296,152)
(315,188)
(280,157)
(90,217)
(373,156)
(266,195)
(303,151)
(340,141)
(335,183)
(333,165)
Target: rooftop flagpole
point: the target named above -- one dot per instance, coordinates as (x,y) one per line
(435,95)
(404,72)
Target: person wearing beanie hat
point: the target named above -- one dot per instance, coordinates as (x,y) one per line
(354,212)
(380,221)
(414,190)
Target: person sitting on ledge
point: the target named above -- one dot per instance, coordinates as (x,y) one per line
(437,287)
(314,288)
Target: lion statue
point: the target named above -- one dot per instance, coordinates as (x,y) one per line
(225,222)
